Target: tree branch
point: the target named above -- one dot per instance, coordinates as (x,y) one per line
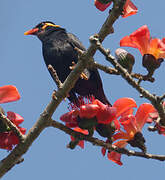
(103,144)
(106,69)
(114,71)
(155,100)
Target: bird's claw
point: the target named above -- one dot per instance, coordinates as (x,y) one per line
(82,75)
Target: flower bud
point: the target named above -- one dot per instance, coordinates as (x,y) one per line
(102,4)
(138,141)
(125,59)
(151,63)
(85,123)
(106,130)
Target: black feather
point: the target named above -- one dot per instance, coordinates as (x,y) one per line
(58,50)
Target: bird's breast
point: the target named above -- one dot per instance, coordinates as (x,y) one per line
(60,56)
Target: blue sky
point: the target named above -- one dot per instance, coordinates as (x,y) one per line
(22,65)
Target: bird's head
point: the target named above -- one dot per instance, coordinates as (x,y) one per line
(42,29)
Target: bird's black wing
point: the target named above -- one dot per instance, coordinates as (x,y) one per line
(92,86)
(75,42)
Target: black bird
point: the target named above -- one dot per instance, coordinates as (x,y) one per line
(59,50)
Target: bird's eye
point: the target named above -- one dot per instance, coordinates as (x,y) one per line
(40,25)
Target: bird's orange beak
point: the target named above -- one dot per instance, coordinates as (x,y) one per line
(31,32)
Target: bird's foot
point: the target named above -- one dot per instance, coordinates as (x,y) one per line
(82,75)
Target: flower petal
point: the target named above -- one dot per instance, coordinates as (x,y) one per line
(101,6)
(139,39)
(129,124)
(129,9)
(142,114)
(120,135)
(15,118)
(107,115)
(127,41)
(161,46)
(9,93)
(8,140)
(161,129)
(157,48)
(117,124)
(114,156)
(23,130)
(123,105)
(103,151)
(81,143)
(69,117)
(88,110)
(81,130)
(152,116)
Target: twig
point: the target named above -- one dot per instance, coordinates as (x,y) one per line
(142,77)
(12,126)
(114,71)
(55,76)
(106,69)
(101,143)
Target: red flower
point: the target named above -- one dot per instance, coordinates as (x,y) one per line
(88,115)
(104,113)
(132,125)
(70,118)
(141,39)
(153,118)
(8,139)
(128,10)
(101,6)
(8,93)
(152,50)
